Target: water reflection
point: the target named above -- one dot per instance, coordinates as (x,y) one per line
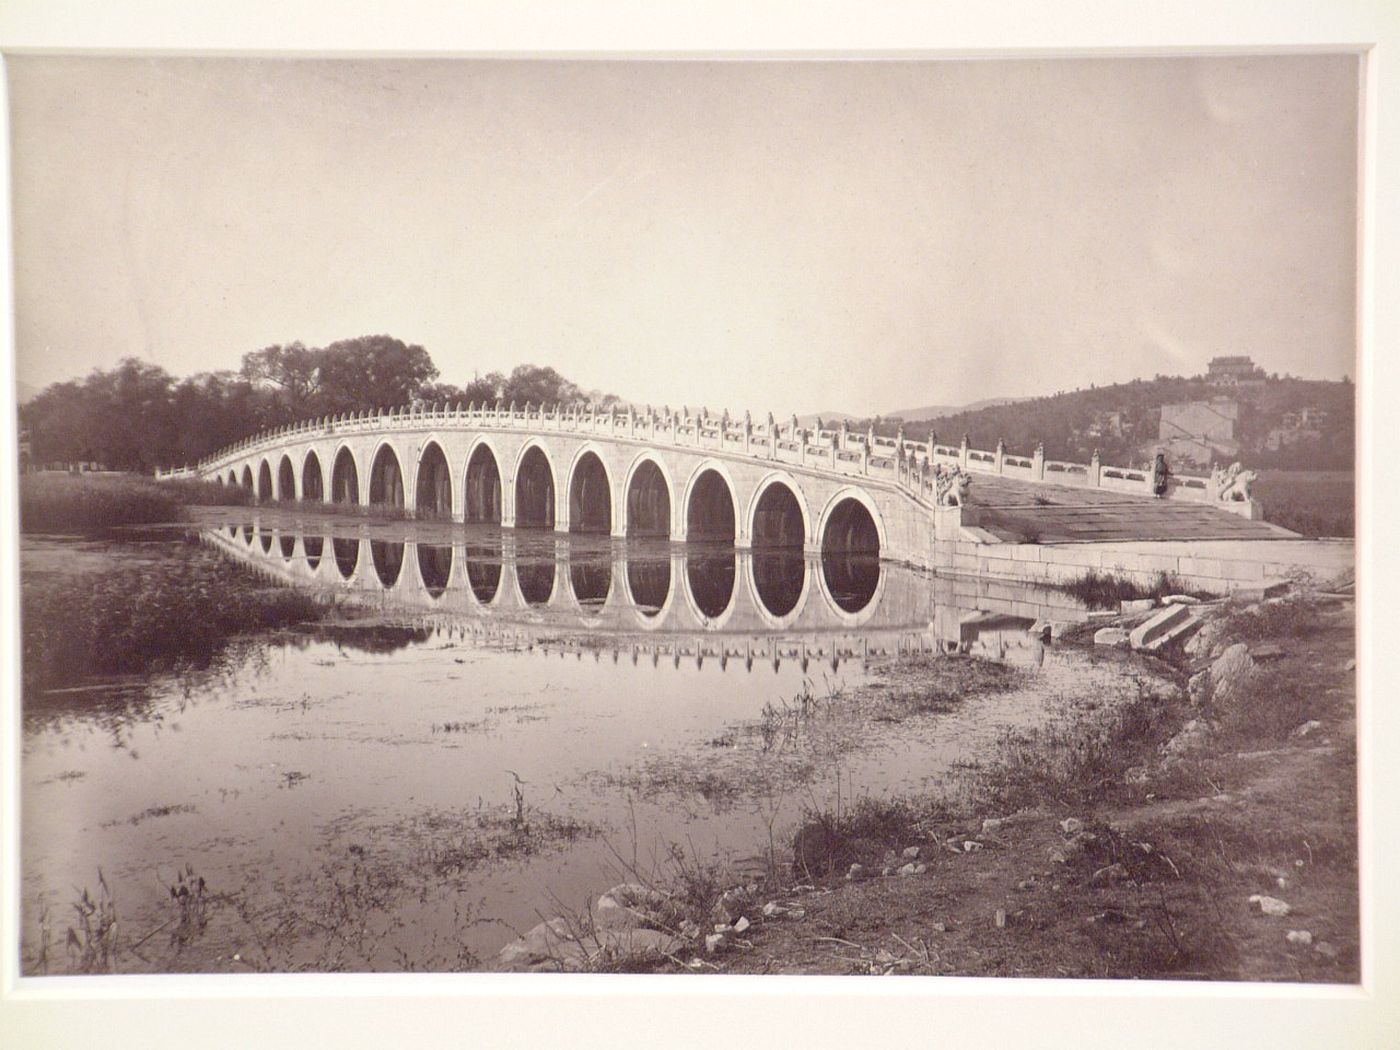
(710,578)
(851,579)
(483,562)
(434,567)
(347,555)
(591,583)
(649,584)
(779,578)
(287,545)
(313,546)
(536,581)
(388,560)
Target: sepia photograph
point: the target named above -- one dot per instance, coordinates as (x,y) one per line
(692,516)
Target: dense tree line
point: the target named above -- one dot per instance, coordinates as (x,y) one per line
(137,416)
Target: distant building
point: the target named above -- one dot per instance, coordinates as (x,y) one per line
(1200,432)
(1234,371)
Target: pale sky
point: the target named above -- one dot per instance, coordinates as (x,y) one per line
(789,236)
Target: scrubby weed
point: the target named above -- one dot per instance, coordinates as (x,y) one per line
(92,938)
(1293,616)
(52,502)
(175,611)
(1104,590)
(830,839)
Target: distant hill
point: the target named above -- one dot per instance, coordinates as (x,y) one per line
(1315,417)
(914,415)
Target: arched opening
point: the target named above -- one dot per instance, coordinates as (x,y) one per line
(264,482)
(483,488)
(536,580)
(434,567)
(777,520)
(534,492)
(313,546)
(287,544)
(233,479)
(312,489)
(483,565)
(711,581)
(286,480)
(385,479)
(433,497)
(649,583)
(649,504)
(778,577)
(345,479)
(221,481)
(591,582)
(388,560)
(851,555)
(248,478)
(590,496)
(347,555)
(710,515)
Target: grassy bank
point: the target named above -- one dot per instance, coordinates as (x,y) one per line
(1309,502)
(77,503)
(1154,836)
(177,609)
(1104,590)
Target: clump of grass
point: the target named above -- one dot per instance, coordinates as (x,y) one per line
(53,502)
(174,612)
(1269,705)
(1294,616)
(830,839)
(1071,761)
(1105,590)
(92,938)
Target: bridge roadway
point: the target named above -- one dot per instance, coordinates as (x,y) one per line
(673,475)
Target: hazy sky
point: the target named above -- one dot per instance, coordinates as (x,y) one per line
(794,236)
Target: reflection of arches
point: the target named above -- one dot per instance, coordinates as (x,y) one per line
(709,505)
(590,494)
(345,478)
(434,567)
(850,584)
(535,581)
(433,492)
(778,581)
(778,514)
(591,582)
(385,478)
(287,543)
(482,487)
(647,499)
(286,479)
(534,489)
(483,565)
(313,546)
(851,524)
(710,586)
(649,587)
(248,478)
(311,485)
(264,482)
(388,560)
(347,555)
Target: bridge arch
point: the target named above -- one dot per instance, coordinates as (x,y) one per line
(386,486)
(481,483)
(843,529)
(711,503)
(778,515)
(647,497)
(534,486)
(286,479)
(432,496)
(232,477)
(312,480)
(345,477)
(247,481)
(590,492)
(264,482)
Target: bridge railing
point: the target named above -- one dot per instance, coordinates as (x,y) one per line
(910,464)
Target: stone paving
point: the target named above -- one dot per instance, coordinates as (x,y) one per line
(1018,511)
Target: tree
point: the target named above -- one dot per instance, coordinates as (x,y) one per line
(372,371)
(530,384)
(292,370)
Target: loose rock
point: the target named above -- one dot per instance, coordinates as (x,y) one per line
(1071,825)
(908,869)
(1114,636)
(1270,905)
(714,942)
(1298,937)
(992,824)
(1310,726)
(1230,670)
(857,871)
(1108,875)
(742,925)
(911,853)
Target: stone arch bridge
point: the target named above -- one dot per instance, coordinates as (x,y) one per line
(676,475)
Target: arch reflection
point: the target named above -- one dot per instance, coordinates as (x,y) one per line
(347,555)
(710,577)
(313,546)
(851,579)
(387,556)
(779,579)
(483,565)
(591,583)
(649,583)
(434,567)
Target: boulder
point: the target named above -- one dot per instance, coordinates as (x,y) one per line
(911,853)
(1137,605)
(1204,641)
(1180,599)
(1310,726)
(1298,937)
(1229,671)
(1071,825)
(1191,737)
(1115,636)
(627,904)
(1269,905)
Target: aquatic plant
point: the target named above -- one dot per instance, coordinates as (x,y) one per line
(52,502)
(1105,590)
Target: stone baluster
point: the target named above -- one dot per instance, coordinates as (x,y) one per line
(1038,462)
(772,437)
(962,453)
(748,431)
(1095,469)
(1001,456)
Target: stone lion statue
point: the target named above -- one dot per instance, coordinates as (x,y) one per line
(951,485)
(1232,484)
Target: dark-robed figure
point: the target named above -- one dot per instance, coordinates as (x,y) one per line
(1160,473)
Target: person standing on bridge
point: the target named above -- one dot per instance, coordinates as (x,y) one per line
(1160,473)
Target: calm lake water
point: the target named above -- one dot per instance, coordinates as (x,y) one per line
(508,725)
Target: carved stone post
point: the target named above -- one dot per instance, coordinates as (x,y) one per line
(1094,469)
(962,453)
(1038,462)
(1001,456)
